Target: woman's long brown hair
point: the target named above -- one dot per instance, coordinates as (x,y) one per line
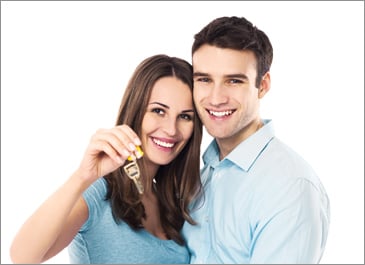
(177,182)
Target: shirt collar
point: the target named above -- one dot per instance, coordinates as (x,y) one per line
(245,154)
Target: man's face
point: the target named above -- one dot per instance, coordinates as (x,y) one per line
(224,92)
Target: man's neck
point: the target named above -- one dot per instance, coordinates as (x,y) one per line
(226,145)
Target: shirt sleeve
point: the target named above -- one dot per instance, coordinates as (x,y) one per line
(292,227)
(94,197)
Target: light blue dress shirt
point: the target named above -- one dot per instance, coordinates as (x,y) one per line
(262,204)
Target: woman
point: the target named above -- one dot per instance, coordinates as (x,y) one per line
(100,212)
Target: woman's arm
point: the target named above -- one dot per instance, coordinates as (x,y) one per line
(55,223)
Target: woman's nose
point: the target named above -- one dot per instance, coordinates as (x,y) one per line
(169,126)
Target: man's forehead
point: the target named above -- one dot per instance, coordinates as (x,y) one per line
(210,59)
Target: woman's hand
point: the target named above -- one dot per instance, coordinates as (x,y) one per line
(108,149)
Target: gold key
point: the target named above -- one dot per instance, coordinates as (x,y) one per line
(132,170)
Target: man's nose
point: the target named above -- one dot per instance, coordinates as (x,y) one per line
(217,95)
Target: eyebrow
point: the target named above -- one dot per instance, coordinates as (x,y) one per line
(199,74)
(167,107)
(242,76)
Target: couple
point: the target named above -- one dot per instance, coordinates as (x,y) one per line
(138,195)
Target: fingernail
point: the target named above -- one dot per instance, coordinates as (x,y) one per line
(132,146)
(138,152)
(137,141)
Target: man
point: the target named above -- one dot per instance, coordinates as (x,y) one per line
(262,203)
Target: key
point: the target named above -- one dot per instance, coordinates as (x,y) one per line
(132,170)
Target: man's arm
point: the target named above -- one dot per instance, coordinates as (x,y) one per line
(296,229)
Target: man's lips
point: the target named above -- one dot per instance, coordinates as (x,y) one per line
(220,114)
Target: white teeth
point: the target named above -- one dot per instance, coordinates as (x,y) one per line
(221,113)
(163,144)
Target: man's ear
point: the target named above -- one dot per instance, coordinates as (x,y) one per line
(264,85)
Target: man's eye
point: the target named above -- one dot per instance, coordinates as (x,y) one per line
(202,79)
(235,81)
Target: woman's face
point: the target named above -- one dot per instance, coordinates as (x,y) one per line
(168,122)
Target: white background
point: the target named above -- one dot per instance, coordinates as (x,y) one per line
(64,66)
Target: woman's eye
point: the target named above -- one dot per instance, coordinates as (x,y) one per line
(158,111)
(186,117)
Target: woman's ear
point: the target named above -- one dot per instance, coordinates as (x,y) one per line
(264,85)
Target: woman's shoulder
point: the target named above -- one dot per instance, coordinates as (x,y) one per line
(97,190)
